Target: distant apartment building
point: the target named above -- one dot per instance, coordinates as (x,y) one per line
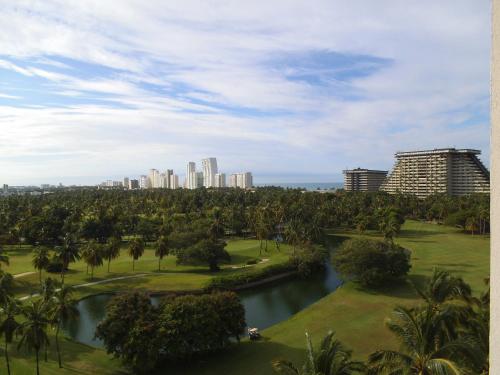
(191,176)
(363,179)
(126,182)
(5,189)
(241,180)
(166,178)
(449,170)
(133,184)
(143,182)
(209,168)
(174,182)
(199,179)
(220,180)
(154,179)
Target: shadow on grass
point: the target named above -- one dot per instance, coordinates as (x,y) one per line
(247,357)
(414,233)
(399,289)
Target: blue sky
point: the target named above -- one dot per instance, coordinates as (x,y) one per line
(291,90)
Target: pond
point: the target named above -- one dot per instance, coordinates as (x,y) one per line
(264,306)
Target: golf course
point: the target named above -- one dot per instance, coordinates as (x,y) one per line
(357,315)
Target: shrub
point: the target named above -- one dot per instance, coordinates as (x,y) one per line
(309,259)
(371,263)
(246,276)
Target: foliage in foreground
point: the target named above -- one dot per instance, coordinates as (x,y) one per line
(144,336)
(332,358)
(372,263)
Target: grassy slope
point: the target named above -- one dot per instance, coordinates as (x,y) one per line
(172,276)
(356,315)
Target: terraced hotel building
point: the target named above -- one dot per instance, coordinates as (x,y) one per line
(449,170)
(363,179)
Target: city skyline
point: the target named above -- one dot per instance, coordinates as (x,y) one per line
(87,89)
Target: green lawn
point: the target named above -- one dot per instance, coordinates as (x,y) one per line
(356,315)
(171,276)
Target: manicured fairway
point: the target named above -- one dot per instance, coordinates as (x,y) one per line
(356,315)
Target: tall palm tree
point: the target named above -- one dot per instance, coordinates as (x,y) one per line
(442,287)
(93,256)
(40,260)
(47,289)
(67,253)
(6,281)
(135,250)
(332,358)
(161,249)
(63,307)
(8,326)
(4,258)
(34,328)
(112,249)
(427,349)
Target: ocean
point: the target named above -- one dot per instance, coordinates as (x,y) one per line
(306,185)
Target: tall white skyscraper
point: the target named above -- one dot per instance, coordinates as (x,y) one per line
(191,175)
(143,182)
(126,181)
(168,174)
(174,182)
(154,178)
(220,180)
(209,166)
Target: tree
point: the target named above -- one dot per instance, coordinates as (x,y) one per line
(41,260)
(442,287)
(205,251)
(93,256)
(426,348)
(135,250)
(332,358)
(67,253)
(6,281)
(4,258)
(34,328)
(112,249)
(161,249)
(370,262)
(9,326)
(47,289)
(63,307)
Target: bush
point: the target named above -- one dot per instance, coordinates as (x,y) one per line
(252,261)
(371,263)
(55,265)
(309,259)
(246,276)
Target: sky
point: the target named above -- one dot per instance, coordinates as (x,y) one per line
(294,91)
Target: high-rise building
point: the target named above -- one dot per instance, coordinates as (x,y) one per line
(143,182)
(199,179)
(174,182)
(241,180)
(126,182)
(167,176)
(191,176)
(154,178)
(363,179)
(449,170)
(220,180)
(133,184)
(209,166)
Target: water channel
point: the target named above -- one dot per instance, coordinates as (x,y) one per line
(264,306)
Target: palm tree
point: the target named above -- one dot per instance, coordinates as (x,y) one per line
(8,326)
(112,249)
(63,308)
(442,287)
(47,289)
(40,260)
(6,281)
(67,253)
(135,250)
(161,249)
(34,328)
(4,258)
(93,256)
(427,349)
(332,358)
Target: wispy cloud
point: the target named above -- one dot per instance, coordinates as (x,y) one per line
(91,88)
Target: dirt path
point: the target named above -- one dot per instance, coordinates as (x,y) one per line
(24,274)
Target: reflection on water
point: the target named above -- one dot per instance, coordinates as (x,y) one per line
(264,306)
